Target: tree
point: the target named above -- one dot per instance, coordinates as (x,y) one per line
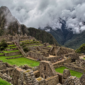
(81,49)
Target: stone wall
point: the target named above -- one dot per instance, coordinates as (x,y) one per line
(46,69)
(12,54)
(24,77)
(61,63)
(74,67)
(74,56)
(55,59)
(39,56)
(52,80)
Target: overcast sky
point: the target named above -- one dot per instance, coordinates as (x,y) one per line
(40,13)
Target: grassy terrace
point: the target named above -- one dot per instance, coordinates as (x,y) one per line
(11,51)
(17,61)
(20,61)
(13,56)
(73,73)
(11,45)
(3,82)
(35,45)
(1,53)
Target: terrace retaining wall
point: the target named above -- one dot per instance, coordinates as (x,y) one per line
(55,59)
(14,57)
(75,68)
(12,54)
(61,63)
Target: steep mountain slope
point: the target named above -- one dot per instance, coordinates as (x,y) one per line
(42,35)
(76,41)
(8,23)
(66,37)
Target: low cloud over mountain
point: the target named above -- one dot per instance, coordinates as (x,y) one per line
(40,13)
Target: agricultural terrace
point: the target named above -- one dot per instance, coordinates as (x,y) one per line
(10,49)
(73,73)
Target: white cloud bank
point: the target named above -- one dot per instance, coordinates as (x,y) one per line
(40,13)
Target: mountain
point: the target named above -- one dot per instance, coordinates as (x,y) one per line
(66,37)
(42,35)
(10,25)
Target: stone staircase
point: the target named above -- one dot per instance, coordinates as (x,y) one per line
(20,48)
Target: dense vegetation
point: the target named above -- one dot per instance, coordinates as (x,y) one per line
(81,49)
(42,35)
(67,37)
(24,47)
(3,45)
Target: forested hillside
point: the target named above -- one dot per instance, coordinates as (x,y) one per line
(42,35)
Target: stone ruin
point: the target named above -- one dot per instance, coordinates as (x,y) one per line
(16,37)
(52,54)
(44,75)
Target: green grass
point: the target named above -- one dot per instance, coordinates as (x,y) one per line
(49,46)
(84,58)
(20,61)
(73,73)
(11,51)
(35,45)
(13,56)
(3,82)
(11,45)
(29,42)
(1,53)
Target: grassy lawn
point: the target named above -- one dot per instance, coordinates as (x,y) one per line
(3,82)
(20,61)
(73,73)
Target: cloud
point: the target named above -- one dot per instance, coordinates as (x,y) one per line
(40,13)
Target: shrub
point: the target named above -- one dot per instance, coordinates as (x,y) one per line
(81,49)
(25,49)
(3,45)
